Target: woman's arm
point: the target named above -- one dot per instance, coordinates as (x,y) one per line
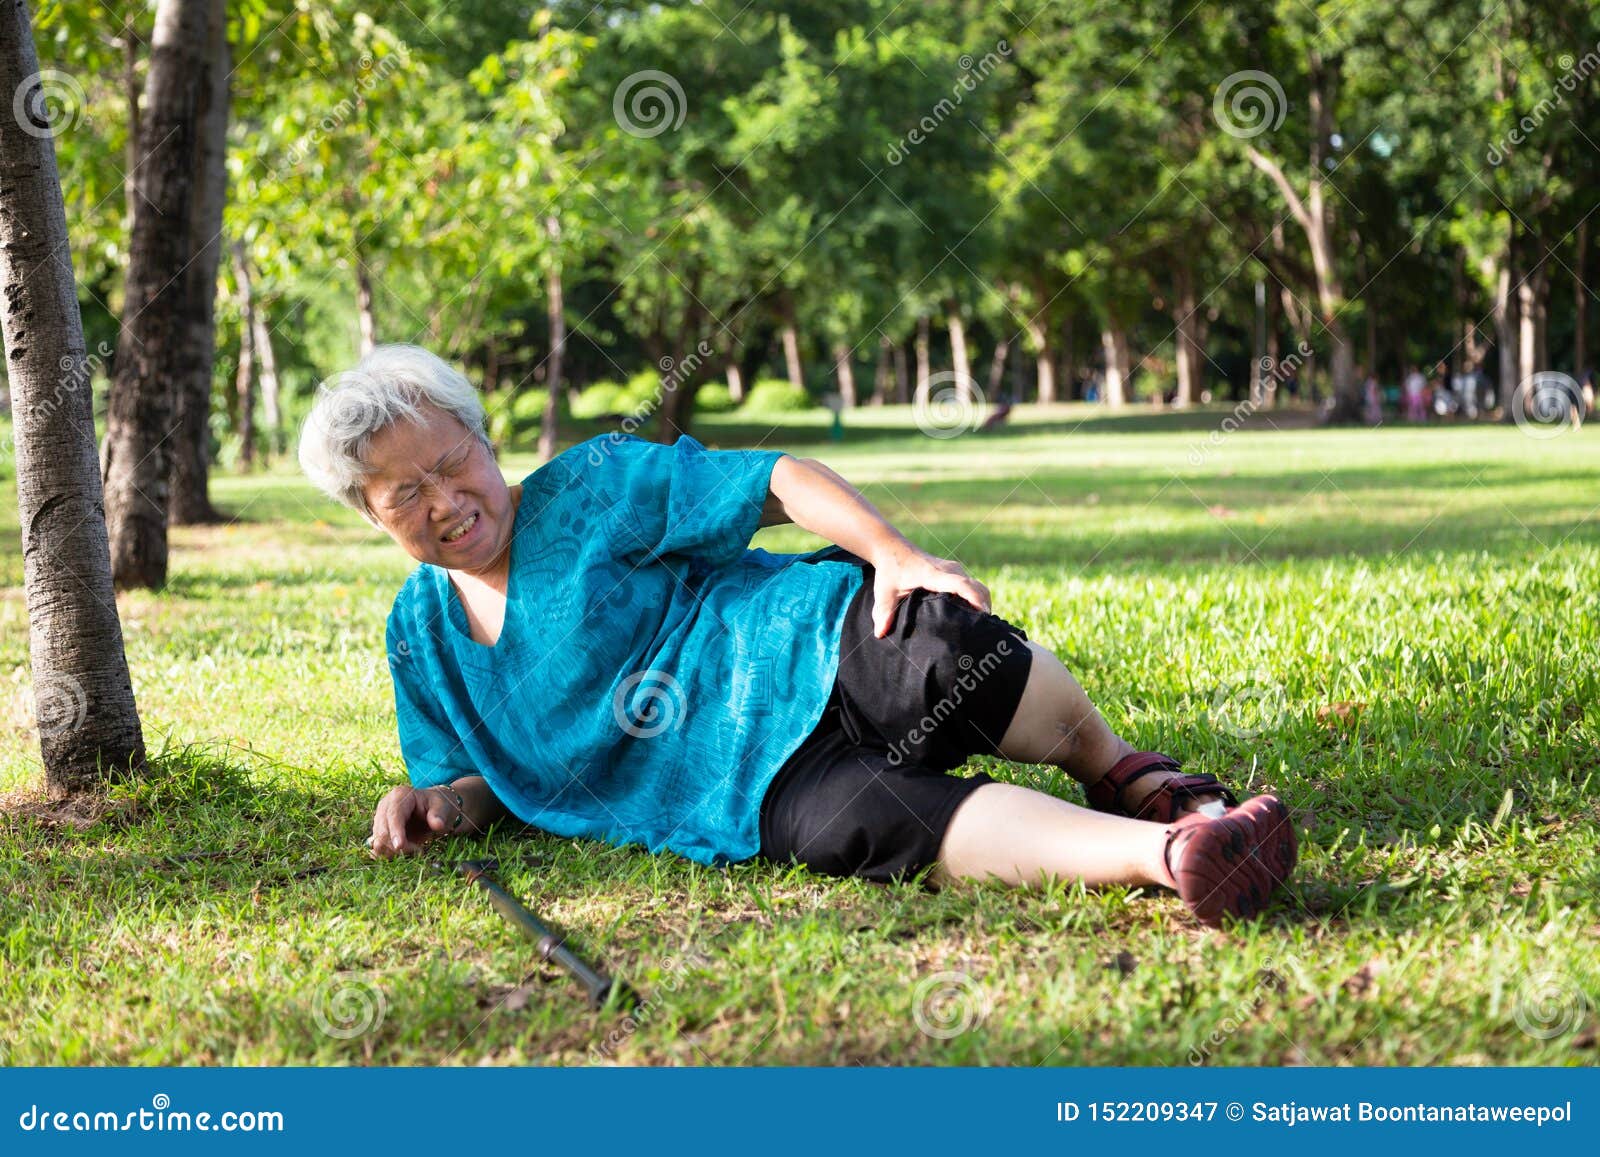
(810,495)
(408,818)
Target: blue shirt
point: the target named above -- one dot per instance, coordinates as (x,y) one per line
(652,673)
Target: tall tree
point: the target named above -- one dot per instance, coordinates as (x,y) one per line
(151,344)
(88,722)
(189,501)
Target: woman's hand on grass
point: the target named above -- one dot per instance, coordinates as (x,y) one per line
(409,818)
(908,569)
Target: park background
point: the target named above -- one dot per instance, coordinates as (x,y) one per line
(1115,303)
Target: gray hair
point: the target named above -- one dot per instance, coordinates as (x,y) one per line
(386,386)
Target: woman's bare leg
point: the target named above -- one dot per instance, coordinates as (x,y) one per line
(1056,723)
(1023,836)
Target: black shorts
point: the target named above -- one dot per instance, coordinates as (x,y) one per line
(868,792)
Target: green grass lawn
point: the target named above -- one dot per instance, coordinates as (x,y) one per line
(1397,630)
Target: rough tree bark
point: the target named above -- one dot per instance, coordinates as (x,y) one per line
(188,502)
(83,697)
(150,353)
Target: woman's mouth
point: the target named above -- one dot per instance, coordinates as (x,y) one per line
(461,531)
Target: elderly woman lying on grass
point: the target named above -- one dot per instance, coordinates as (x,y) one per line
(597,651)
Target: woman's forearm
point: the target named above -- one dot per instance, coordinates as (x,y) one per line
(815,498)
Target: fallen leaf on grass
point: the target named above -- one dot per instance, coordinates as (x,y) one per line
(1364,981)
(1221,511)
(1124,962)
(1336,714)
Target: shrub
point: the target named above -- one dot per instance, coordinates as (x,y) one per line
(600,398)
(714,398)
(776,396)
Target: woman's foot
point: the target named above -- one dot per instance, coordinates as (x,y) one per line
(1148,785)
(1230,866)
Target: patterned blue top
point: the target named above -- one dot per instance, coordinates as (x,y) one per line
(652,673)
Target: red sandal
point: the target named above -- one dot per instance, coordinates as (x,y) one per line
(1229,866)
(1164,804)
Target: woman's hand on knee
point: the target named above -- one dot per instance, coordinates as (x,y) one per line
(407,819)
(910,569)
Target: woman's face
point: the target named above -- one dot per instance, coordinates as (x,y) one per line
(430,479)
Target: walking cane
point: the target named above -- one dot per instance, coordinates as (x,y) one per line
(551,945)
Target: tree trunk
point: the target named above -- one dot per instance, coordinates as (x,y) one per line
(1189,349)
(997,367)
(188,502)
(244,382)
(131,90)
(884,374)
(83,697)
(558,341)
(924,370)
(961,362)
(1044,357)
(1533,296)
(1114,341)
(842,354)
(1506,334)
(364,309)
(902,378)
(1066,375)
(267,359)
(1580,348)
(1312,214)
(735,381)
(150,345)
(791,348)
